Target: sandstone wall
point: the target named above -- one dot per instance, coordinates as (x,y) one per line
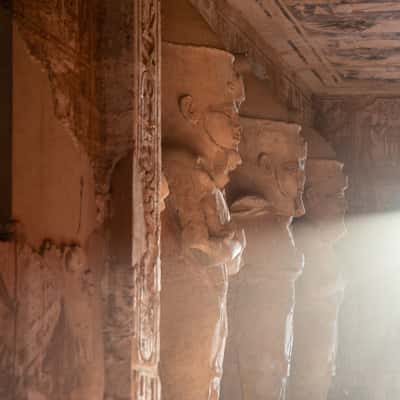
(364,132)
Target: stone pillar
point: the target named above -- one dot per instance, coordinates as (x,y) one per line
(201,132)
(319,290)
(102,69)
(265,193)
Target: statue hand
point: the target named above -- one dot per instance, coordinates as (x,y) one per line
(236,263)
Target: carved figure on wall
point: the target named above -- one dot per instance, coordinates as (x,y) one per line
(59,348)
(201,133)
(320,288)
(265,192)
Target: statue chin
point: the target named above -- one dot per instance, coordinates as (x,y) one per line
(289,210)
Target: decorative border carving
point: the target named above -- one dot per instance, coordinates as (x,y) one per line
(146,205)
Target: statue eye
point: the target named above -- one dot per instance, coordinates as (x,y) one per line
(291,167)
(264,162)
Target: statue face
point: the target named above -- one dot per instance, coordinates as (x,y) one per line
(202,93)
(222,124)
(274,156)
(290,177)
(325,197)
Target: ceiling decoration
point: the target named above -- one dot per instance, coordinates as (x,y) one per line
(333,46)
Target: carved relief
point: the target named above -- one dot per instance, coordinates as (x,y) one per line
(60,35)
(319,290)
(78,45)
(364,132)
(201,133)
(265,192)
(52,346)
(133,278)
(146,203)
(72,41)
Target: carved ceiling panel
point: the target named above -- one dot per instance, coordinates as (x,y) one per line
(332,46)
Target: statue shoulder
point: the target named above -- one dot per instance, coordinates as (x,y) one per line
(181,167)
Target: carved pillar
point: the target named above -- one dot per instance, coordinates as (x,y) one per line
(265,192)
(320,288)
(134,279)
(146,202)
(201,132)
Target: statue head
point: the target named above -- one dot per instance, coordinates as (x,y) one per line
(324,194)
(324,197)
(273,160)
(201,96)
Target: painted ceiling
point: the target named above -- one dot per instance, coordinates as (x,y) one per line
(333,46)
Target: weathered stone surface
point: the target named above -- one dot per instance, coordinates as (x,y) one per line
(79,44)
(319,290)
(103,63)
(265,192)
(52,346)
(201,133)
(364,132)
(53,183)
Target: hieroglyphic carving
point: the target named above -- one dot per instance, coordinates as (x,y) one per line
(133,278)
(78,43)
(146,199)
(61,36)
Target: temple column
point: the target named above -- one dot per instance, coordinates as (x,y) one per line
(201,132)
(319,290)
(265,192)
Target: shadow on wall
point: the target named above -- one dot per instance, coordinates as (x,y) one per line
(5,119)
